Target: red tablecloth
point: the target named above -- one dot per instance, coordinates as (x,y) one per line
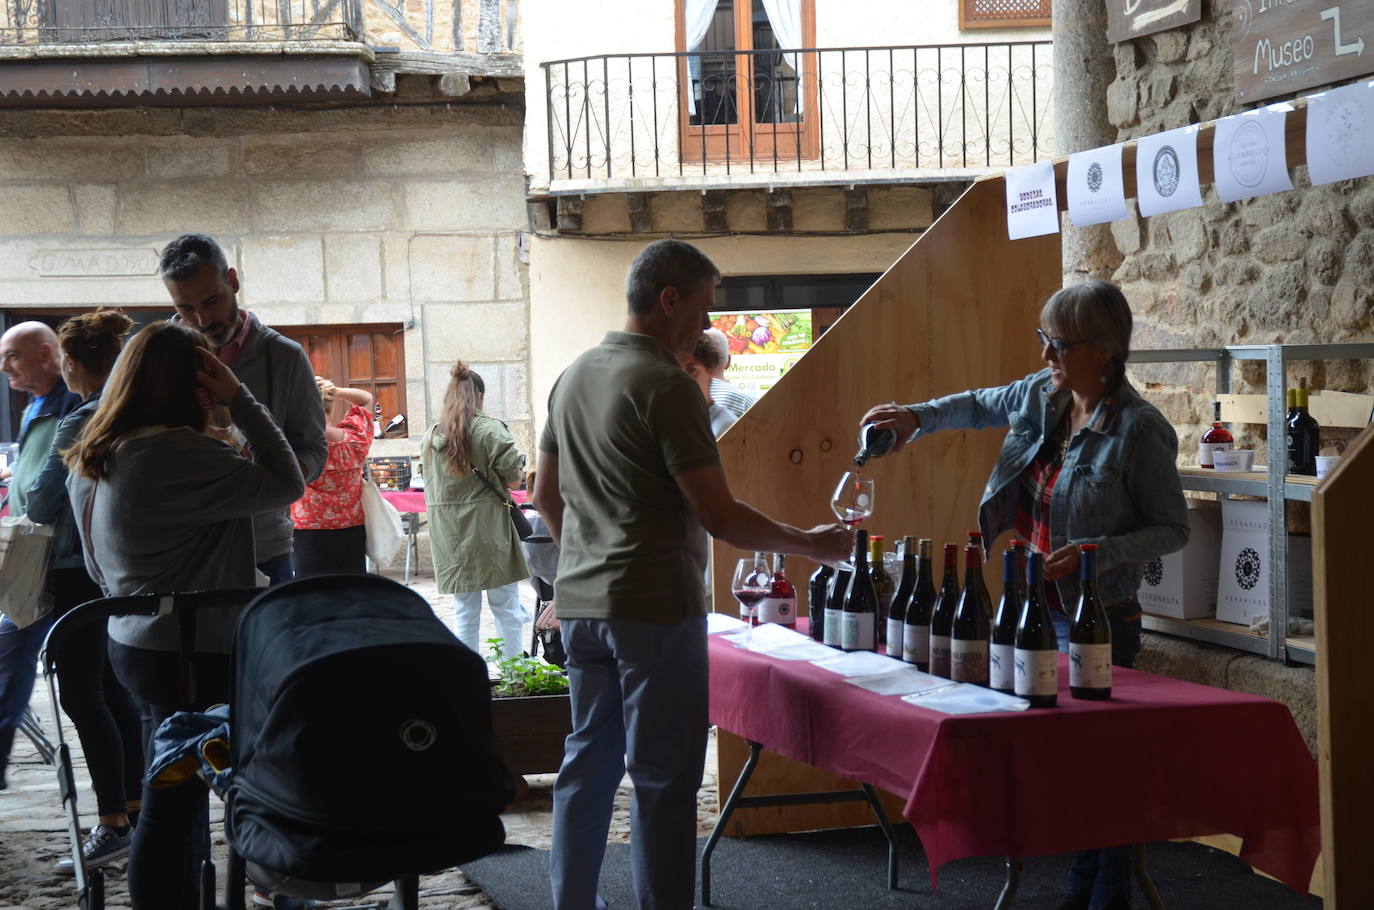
(1162,759)
(414,500)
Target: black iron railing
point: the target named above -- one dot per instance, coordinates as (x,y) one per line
(877,108)
(33,22)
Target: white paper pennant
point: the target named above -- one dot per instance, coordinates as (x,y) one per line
(1166,172)
(1248,155)
(1094,186)
(1340,133)
(1032,202)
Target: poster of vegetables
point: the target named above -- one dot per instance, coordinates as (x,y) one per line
(763,346)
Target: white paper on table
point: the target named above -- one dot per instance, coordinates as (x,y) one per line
(1340,133)
(1248,154)
(902,681)
(806,650)
(767,636)
(963,698)
(1094,185)
(859,663)
(1032,201)
(722,622)
(1166,171)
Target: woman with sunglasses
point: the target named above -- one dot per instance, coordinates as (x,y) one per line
(1086,461)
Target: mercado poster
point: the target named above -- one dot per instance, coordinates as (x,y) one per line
(1166,177)
(1032,201)
(1248,155)
(763,345)
(1094,186)
(1340,134)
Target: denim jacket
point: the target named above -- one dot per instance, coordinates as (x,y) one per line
(1118,487)
(48,501)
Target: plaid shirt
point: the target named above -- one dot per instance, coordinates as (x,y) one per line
(1033,502)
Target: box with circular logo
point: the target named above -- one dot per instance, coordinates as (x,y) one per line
(1243,567)
(1183,584)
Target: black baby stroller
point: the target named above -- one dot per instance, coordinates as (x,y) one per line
(541,556)
(361,743)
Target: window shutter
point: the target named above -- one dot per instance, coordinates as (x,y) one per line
(1004,14)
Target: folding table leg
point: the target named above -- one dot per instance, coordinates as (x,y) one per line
(719,829)
(1013,882)
(1142,878)
(887,832)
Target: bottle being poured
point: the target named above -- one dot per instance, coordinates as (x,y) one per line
(873,443)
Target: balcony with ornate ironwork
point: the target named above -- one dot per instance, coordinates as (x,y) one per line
(636,122)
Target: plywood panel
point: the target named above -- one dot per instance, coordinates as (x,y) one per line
(1341,507)
(957,311)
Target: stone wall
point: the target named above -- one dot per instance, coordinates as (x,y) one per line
(411,216)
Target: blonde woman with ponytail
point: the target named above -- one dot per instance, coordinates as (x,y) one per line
(474,545)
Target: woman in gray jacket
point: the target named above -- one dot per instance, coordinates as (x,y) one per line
(163,508)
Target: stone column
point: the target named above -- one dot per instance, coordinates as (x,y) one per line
(1083,69)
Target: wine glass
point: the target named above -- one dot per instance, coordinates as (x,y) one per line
(852,501)
(751,584)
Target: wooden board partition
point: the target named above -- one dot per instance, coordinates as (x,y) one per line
(1341,507)
(957,311)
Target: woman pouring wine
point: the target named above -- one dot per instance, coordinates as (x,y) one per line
(1086,461)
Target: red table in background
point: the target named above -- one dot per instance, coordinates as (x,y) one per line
(412,503)
(1161,759)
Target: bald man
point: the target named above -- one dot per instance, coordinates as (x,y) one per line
(29,357)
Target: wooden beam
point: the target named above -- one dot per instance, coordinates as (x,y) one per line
(713,211)
(570,213)
(637,205)
(779,210)
(856,209)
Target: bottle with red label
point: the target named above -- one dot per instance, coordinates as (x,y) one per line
(780,606)
(1216,439)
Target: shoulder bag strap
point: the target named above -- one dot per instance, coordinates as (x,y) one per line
(505,500)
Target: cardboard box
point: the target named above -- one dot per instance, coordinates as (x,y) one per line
(1243,567)
(1183,585)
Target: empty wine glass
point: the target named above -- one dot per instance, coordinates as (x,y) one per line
(852,501)
(751,584)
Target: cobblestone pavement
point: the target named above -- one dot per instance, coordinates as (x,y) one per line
(33,834)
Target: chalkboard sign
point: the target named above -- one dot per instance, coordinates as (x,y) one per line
(1127,19)
(1284,46)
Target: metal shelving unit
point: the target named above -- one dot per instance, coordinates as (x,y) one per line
(1278,488)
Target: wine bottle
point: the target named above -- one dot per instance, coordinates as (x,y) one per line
(975,539)
(834,608)
(817,589)
(1000,656)
(780,606)
(1216,439)
(1090,635)
(874,443)
(896,614)
(861,604)
(882,584)
(1304,434)
(916,628)
(377,420)
(968,640)
(942,617)
(1036,656)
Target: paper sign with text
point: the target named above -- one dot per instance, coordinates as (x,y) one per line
(1094,186)
(1166,172)
(1032,202)
(1248,155)
(1340,134)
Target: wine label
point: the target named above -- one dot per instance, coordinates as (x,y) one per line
(1001,667)
(834,628)
(939,655)
(1090,666)
(781,610)
(968,661)
(1036,672)
(895,637)
(857,632)
(1205,450)
(915,644)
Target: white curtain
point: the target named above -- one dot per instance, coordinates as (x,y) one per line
(786,19)
(699,14)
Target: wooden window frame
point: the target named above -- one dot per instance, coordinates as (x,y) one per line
(338,369)
(969,18)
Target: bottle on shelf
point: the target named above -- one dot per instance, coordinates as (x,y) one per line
(817,589)
(1090,636)
(942,617)
(1215,439)
(1000,652)
(882,583)
(859,630)
(896,614)
(377,420)
(975,539)
(834,607)
(916,628)
(1036,657)
(968,640)
(780,606)
(873,443)
(1304,434)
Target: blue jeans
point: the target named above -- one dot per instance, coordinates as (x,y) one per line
(1100,874)
(277,570)
(639,690)
(505,607)
(18,669)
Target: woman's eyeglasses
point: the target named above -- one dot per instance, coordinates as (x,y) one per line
(1058,345)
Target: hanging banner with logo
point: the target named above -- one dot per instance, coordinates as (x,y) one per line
(1032,201)
(1094,186)
(1166,172)
(1340,134)
(1248,155)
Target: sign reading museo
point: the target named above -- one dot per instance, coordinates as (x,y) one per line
(1284,46)
(1127,19)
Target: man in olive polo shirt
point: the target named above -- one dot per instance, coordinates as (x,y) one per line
(628,476)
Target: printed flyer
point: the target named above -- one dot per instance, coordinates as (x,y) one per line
(763,345)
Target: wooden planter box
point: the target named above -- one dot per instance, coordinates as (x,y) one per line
(531,731)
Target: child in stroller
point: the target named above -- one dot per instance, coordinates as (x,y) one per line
(541,555)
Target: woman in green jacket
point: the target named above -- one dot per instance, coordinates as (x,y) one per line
(474,544)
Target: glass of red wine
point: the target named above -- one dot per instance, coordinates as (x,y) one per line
(852,502)
(751,584)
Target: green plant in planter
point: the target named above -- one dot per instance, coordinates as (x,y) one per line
(522,676)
